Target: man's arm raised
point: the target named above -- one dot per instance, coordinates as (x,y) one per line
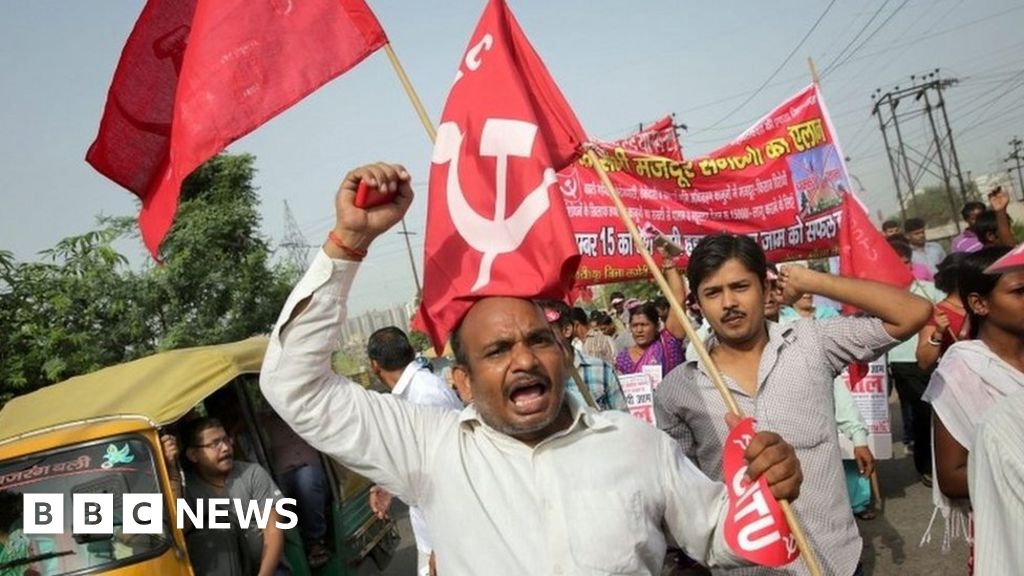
(380,437)
(902,313)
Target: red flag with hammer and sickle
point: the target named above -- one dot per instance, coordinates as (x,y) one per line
(496,224)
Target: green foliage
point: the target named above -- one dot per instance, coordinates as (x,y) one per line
(83,308)
(420,341)
(933,205)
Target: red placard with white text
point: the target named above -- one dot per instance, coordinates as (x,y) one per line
(755,527)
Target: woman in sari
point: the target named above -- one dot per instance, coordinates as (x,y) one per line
(652,344)
(972,376)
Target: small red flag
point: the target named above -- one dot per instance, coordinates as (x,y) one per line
(864,252)
(196,75)
(496,225)
(1013,261)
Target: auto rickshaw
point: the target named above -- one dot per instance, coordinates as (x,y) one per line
(100,433)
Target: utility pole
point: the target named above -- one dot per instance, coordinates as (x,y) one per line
(1017,155)
(412,261)
(295,243)
(938,157)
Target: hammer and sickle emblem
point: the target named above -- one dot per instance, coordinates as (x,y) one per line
(500,138)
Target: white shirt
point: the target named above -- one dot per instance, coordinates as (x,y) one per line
(590,499)
(996,479)
(419,385)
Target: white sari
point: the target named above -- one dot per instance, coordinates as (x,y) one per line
(969,380)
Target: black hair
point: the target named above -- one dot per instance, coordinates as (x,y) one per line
(579,315)
(604,319)
(971,206)
(901,247)
(193,429)
(661,302)
(947,277)
(985,226)
(565,314)
(10,510)
(890,224)
(913,225)
(974,280)
(390,348)
(615,295)
(455,340)
(714,251)
(646,309)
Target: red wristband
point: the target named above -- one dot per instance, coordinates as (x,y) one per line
(350,253)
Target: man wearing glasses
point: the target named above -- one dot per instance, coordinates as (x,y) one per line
(214,473)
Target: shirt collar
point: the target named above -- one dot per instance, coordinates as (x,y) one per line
(778,335)
(406,378)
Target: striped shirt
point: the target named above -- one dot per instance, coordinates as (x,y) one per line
(996,477)
(794,399)
(600,380)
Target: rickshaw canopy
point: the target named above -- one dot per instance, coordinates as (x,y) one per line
(161,388)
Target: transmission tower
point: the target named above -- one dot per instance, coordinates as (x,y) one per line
(295,245)
(908,159)
(1017,156)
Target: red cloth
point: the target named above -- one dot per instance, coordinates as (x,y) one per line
(495,224)
(196,75)
(864,253)
(957,325)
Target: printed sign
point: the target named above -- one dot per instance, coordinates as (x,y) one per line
(872,399)
(639,392)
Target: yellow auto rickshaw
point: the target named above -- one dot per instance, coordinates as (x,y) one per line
(100,433)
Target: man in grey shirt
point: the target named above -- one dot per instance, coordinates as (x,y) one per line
(783,377)
(214,473)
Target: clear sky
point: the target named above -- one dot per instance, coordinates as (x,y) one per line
(619,64)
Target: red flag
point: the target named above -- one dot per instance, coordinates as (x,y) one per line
(496,225)
(755,527)
(196,75)
(1013,261)
(864,253)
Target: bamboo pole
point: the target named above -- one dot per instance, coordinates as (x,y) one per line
(417,104)
(814,71)
(716,376)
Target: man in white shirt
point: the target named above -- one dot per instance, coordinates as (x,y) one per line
(524,480)
(393,361)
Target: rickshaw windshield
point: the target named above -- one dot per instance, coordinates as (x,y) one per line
(117,466)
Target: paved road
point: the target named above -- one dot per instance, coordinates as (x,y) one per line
(890,540)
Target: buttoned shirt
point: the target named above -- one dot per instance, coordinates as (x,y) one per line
(996,477)
(600,379)
(928,255)
(795,399)
(592,498)
(419,385)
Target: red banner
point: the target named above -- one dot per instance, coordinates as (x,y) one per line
(755,527)
(658,139)
(781,182)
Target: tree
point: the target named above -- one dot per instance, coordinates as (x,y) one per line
(217,283)
(83,308)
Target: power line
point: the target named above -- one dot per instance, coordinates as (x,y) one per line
(828,67)
(866,40)
(777,69)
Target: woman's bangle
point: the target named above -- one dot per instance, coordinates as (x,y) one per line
(932,341)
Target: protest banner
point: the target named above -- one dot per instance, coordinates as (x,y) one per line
(639,392)
(781,182)
(871,396)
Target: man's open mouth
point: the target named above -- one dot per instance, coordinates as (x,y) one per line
(529,397)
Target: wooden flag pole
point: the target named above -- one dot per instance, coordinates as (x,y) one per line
(814,71)
(417,104)
(716,376)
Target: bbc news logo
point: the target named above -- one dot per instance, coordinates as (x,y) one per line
(144,513)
